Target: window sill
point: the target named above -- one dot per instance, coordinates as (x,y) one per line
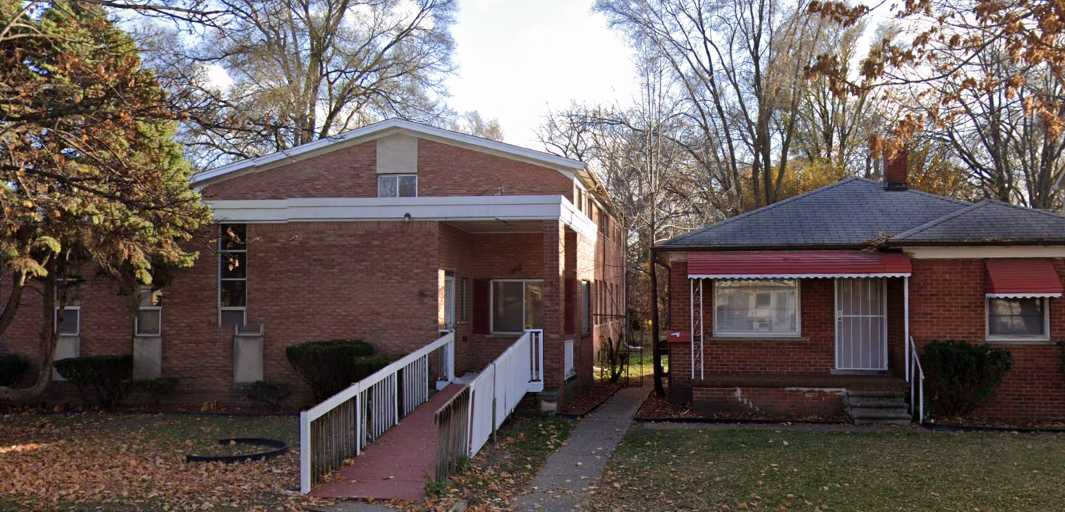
(1019,341)
(759,338)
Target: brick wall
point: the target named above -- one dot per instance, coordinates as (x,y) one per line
(443,170)
(947,303)
(769,403)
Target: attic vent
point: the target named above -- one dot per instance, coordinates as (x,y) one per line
(397,154)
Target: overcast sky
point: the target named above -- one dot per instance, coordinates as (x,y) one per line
(517,60)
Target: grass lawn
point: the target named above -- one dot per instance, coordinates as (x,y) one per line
(98,461)
(713,469)
(505,468)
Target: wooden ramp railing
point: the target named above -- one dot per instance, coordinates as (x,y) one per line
(471,418)
(345,423)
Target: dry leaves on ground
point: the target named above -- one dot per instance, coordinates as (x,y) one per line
(134,461)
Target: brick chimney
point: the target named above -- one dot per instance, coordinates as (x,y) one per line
(896,171)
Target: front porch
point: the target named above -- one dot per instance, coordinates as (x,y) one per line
(790,334)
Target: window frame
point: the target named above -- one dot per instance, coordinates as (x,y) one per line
(586,307)
(221,254)
(1044,337)
(717,333)
(397,178)
(492,304)
(64,283)
(140,307)
(463,300)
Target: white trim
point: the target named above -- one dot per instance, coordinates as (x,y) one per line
(1021,338)
(566,166)
(967,252)
(492,310)
(750,277)
(757,335)
(435,208)
(1023,295)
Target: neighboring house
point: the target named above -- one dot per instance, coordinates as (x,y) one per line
(791,309)
(389,234)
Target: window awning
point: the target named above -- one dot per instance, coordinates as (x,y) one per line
(1010,278)
(796,264)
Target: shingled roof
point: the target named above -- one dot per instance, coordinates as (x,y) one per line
(856,211)
(988,221)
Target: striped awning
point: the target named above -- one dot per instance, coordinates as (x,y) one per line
(1016,278)
(796,264)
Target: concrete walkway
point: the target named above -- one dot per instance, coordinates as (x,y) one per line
(561,483)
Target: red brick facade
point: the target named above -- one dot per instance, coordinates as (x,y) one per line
(380,281)
(947,302)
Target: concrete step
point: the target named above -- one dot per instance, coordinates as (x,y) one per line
(875,402)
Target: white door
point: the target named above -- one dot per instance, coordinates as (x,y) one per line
(861,324)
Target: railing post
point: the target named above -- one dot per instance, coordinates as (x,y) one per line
(920,415)
(305,453)
(451,357)
(358,422)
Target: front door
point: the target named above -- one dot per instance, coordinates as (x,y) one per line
(861,324)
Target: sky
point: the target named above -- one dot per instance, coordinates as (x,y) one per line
(520,59)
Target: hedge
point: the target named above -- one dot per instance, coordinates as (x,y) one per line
(961,375)
(12,366)
(330,366)
(107,375)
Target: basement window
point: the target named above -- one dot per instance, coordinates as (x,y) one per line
(397,185)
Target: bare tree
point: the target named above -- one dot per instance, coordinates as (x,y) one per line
(302,70)
(473,123)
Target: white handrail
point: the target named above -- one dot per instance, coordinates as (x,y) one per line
(385,414)
(915,377)
(497,390)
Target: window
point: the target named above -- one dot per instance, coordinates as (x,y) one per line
(756,308)
(586,307)
(232,275)
(517,305)
(449,301)
(1017,319)
(397,185)
(67,319)
(149,318)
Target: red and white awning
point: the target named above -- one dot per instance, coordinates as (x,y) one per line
(814,264)
(1017,278)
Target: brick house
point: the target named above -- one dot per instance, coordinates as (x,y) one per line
(389,234)
(819,305)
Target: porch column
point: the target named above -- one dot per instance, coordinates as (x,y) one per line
(906,323)
(554,303)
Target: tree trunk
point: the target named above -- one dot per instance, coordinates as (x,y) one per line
(48,338)
(655,341)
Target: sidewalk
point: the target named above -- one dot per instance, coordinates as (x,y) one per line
(561,483)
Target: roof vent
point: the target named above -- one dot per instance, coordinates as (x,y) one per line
(896,170)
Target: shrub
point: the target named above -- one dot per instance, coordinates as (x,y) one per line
(107,376)
(12,366)
(158,388)
(963,375)
(269,393)
(366,366)
(327,366)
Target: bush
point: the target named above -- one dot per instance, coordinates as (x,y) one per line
(158,388)
(107,376)
(12,366)
(366,366)
(328,366)
(962,375)
(272,394)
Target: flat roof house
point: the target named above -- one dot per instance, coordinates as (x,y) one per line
(819,305)
(390,234)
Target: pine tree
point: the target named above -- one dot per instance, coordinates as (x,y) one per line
(89,170)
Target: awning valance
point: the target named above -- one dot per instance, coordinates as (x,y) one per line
(796,264)
(1022,278)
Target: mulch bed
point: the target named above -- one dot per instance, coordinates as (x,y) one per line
(585,400)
